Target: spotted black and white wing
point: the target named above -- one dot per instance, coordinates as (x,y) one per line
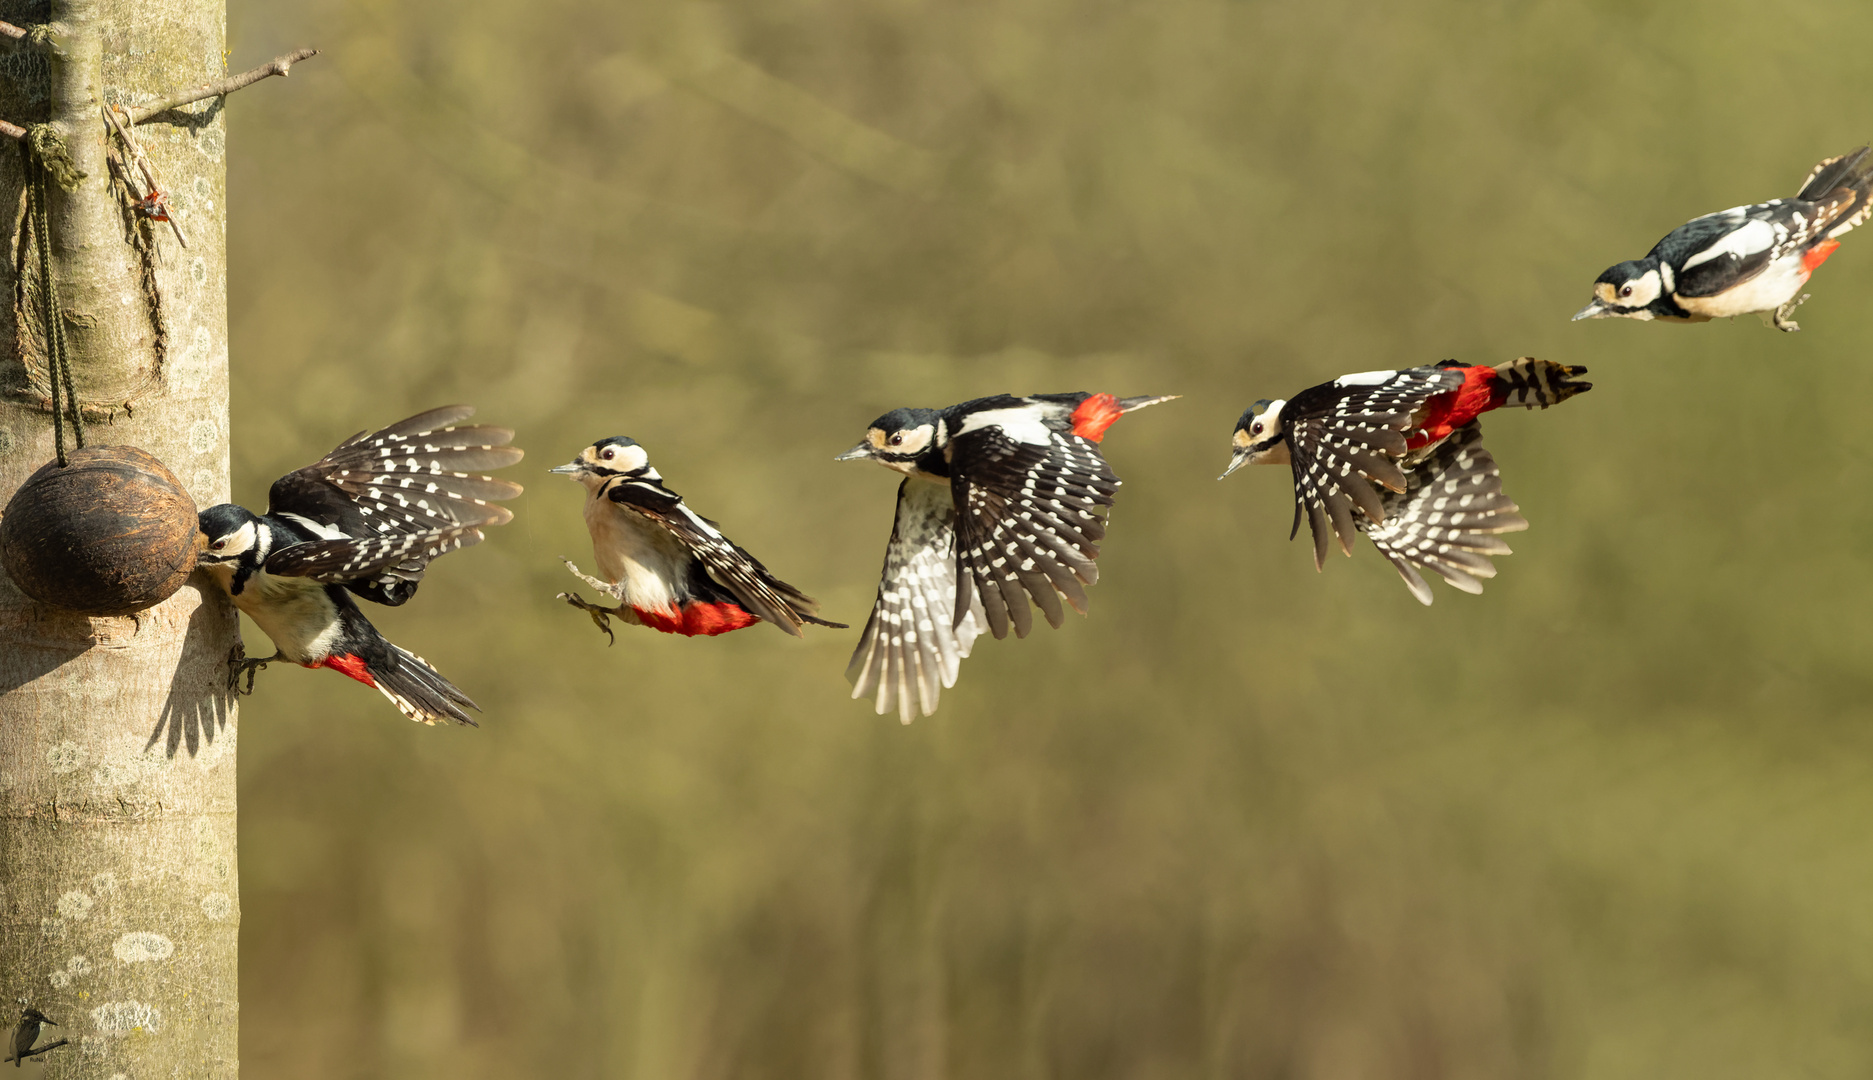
(1450,517)
(913,643)
(413,478)
(1344,437)
(345,561)
(1030,515)
(729,565)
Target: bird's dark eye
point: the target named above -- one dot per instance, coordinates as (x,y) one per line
(609,454)
(219,544)
(1256,429)
(897,440)
(1625,290)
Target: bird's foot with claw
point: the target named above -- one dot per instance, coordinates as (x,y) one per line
(1782,321)
(239,664)
(601,616)
(605,587)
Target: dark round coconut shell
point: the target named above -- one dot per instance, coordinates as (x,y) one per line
(110,533)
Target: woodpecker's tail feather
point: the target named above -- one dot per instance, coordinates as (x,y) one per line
(1096,412)
(803,606)
(1851,169)
(420,692)
(1536,384)
(1448,518)
(1846,181)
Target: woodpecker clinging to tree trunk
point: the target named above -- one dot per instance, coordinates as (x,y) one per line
(1743,260)
(1005,500)
(1397,455)
(366,519)
(672,568)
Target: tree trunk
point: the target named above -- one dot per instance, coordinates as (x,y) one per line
(119,914)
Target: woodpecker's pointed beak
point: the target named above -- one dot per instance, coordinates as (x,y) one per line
(862,450)
(1595,310)
(1240,459)
(570,468)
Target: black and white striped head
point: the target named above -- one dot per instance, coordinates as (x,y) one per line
(232,535)
(235,543)
(1260,438)
(1625,291)
(907,440)
(608,458)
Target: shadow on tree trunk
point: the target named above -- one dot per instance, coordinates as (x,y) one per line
(196,709)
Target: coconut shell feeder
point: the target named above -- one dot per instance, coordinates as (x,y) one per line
(109,533)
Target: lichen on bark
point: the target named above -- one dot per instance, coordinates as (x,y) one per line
(119,904)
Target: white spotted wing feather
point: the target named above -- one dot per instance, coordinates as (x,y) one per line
(1449,517)
(914,643)
(1032,516)
(415,478)
(1345,439)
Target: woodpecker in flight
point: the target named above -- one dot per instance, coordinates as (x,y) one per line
(1397,455)
(26,1033)
(1004,500)
(671,568)
(366,519)
(1743,260)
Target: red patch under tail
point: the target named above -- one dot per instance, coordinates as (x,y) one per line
(698,620)
(1095,415)
(1452,409)
(1816,255)
(348,664)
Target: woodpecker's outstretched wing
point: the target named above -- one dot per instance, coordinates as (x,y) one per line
(1030,515)
(367,560)
(913,642)
(727,563)
(1449,517)
(411,478)
(1345,436)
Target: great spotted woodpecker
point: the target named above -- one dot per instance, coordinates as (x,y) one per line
(671,568)
(1397,455)
(1743,260)
(1004,499)
(366,519)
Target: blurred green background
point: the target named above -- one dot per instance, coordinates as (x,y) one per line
(1608,819)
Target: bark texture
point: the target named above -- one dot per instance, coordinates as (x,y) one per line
(119,910)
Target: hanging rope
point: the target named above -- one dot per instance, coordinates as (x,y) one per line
(46,157)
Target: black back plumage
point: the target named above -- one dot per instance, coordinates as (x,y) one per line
(1832,201)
